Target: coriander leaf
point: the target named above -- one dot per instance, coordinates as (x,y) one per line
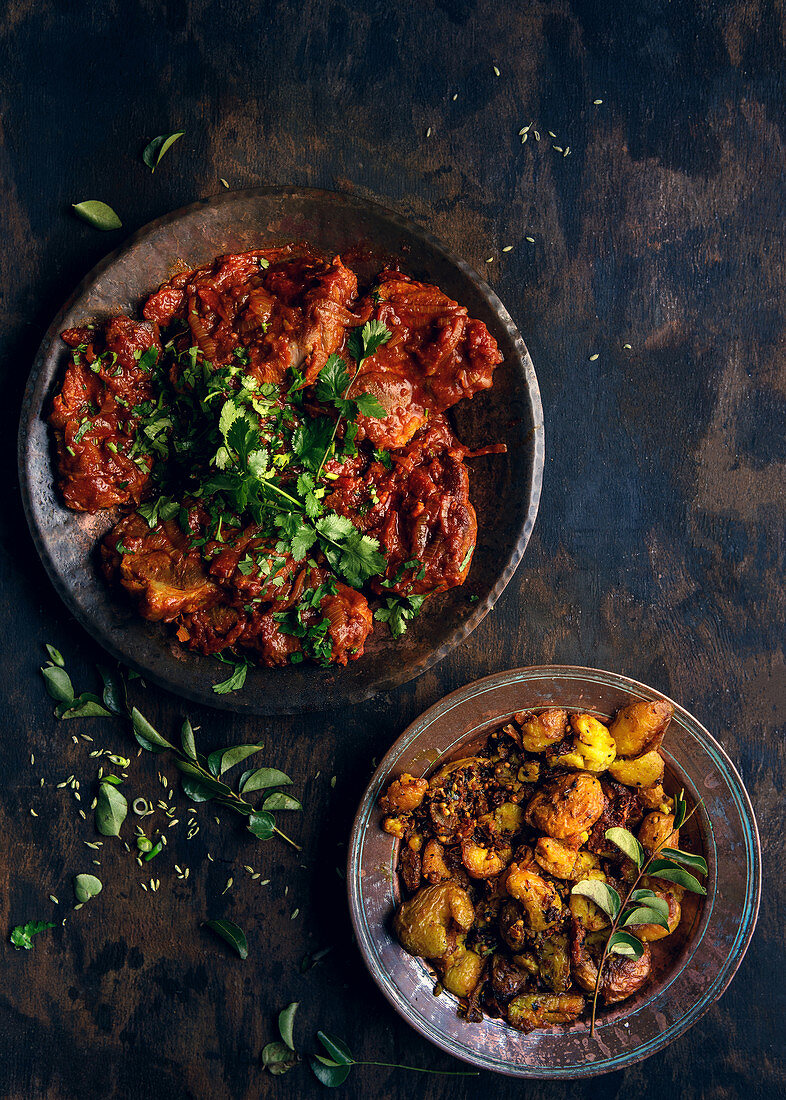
(604,896)
(111,810)
(155,149)
(234,682)
(333,379)
(286,1020)
(97,214)
(311,440)
(335,527)
(21,936)
(627,843)
(87,887)
(231,934)
(302,541)
(368,405)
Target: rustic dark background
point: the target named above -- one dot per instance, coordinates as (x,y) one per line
(658,549)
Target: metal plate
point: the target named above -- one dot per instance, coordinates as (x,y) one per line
(682,988)
(505,489)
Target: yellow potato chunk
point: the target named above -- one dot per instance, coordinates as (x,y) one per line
(640,726)
(531,1010)
(561,861)
(404,794)
(594,747)
(657,831)
(642,771)
(428,922)
(483,862)
(462,972)
(568,805)
(540,731)
(539,898)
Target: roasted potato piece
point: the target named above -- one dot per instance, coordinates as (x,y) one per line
(432,862)
(655,798)
(554,963)
(539,898)
(403,795)
(427,924)
(641,771)
(507,979)
(409,863)
(622,976)
(540,731)
(512,926)
(562,861)
(590,916)
(507,818)
(672,894)
(657,831)
(593,749)
(484,862)
(462,972)
(531,1010)
(567,805)
(639,727)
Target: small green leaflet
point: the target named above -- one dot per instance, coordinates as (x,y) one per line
(234,682)
(286,1022)
(58,683)
(22,935)
(87,887)
(604,896)
(622,943)
(261,824)
(332,1070)
(263,778)
(398,612)
(157,511)
(147,735)
(111,810)
(671,872)
(231,934)
(696,863)
(222,760)
(187,739)
(278,1058)
(363,342)
(627,843)
(56,657)
(647,915)
(281,801)
(155,149)
(97,214)
(332,385)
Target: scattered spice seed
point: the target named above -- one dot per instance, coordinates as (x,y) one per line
(597,102)
(552,134)
(75,739)
(490,260)
(223,181)
(524,139)
(85,736)
(210,857)
(83,815)
(93,804)
(79,905)
(627,347)
(247,868)
(531,240)
(265,882)
(455,97)
(333,781)
(256,875)
(42,780)
(143,886)
(32,811)
(97,862)
(567,151)
(496,71)
(594,356)
(508,248)
(295,913)
(428,132)
(52,898)
(228,886)
(32,758)
(537,135)
(558,148)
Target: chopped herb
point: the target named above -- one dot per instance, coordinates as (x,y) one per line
(22,935)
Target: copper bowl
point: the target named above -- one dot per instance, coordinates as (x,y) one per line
(505,489)
(712,945)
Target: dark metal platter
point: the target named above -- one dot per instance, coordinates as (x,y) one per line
(505,489)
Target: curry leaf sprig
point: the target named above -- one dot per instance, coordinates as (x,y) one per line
(331,1068)
(202,781)
(640,905)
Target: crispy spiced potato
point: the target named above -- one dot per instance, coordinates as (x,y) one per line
(640,727)
(427,924)
(657,831)
(531,1010)
(541,731)
(641,771)
(593,747)
(568,805)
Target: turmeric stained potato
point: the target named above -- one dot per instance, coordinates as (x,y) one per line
(491,845)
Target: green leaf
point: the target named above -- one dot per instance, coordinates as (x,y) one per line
(155,149)
(368,405)
(627,843)
(22,935)
(336,1049)
(261,824)
(56,657)
(263,778)
(280,801)
(187,739)
(222,760)
(665,869)
(286,1022)
(87,887)
(680,809)
(111,810)
(230,932)
(114,693)
(697,863)
(604,896)
(192,771)
(147,735)
(58,683)
(650,900)
(195,790)
(85,705)
(278,1058)
(232,683)
(623,943)
(97,214)
(327,1073)
(646,915)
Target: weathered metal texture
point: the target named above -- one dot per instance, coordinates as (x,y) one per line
(505,489)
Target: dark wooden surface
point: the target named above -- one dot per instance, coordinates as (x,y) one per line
(658,550)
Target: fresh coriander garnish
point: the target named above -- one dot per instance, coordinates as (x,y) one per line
(22,935)
(398,612)
(640,905)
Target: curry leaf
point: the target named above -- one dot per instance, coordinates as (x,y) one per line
(223,759)
(195,790)
(278,1058)
(698,863)
(286,1021)
(604,896)
(56,657)
(337,1049)
(623,943)
(261,824)
(187,739)
(85,705)
(114,693)
(280,801)
(230,932)
(627,843)
(262,778)
(87,887)
(147,735)
(327,1072)
(666,869)
(155,149)
(58,683)
(97,214)
(111,810)
(646,915)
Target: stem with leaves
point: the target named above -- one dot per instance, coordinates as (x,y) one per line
(640,905)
